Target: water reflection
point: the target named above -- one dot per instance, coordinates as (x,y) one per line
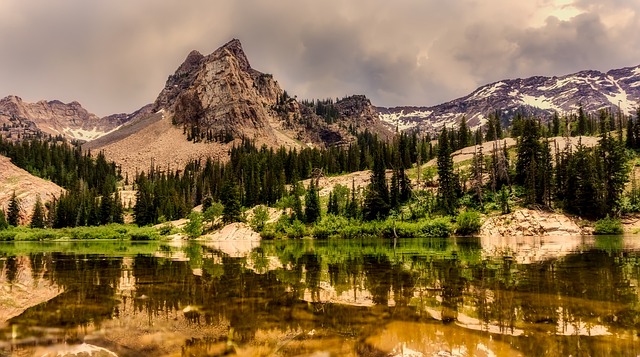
(555,296)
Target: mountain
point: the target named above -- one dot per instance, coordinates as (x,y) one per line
(618,89)
(26,186)
(212,102)
(70,120)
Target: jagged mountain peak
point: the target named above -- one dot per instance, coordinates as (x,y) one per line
(234,49)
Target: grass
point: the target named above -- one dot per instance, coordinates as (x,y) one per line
(109,232)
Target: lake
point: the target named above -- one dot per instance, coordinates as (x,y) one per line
(553,296)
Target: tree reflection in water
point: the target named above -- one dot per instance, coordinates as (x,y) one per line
(344,297)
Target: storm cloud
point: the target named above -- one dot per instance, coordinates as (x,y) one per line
(114,56)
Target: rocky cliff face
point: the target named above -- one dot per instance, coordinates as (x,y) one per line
(617,89)
(221,98)
(69,120)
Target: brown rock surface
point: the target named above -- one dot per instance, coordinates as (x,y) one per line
(527,222)
(69,120)
(26,186)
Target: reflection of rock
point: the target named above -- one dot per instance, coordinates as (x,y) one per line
(401,338)
(23,290)
(527,222)
(526,250)
(83,350)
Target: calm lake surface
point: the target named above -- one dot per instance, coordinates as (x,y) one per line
(552,296)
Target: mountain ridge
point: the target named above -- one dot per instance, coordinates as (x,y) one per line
(540,96)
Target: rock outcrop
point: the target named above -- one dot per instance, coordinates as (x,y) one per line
(212,102)
(69,120)
(527,222)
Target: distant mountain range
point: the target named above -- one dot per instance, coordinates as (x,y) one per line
(217,99)
(618,89)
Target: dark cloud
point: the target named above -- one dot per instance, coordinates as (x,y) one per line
(115,56)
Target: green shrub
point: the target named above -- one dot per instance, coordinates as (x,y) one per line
(7,235)
(608,226)
(297,229)
(468,223)
(194,227)
(143,233)
(330,225)
(269,233)
(439,227)
(167,228)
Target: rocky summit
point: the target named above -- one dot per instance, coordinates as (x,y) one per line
(617,89)
(55,118)
(214,101)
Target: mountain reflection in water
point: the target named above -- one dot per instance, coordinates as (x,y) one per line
(421,297)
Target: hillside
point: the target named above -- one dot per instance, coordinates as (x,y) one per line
(213,102)
(26,186)
(617,89)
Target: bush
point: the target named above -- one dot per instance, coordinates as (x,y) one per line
(269,233)
(468,223)
(167,228)
(330,225)
(439,227)
(100,232)
(143,233)
(297,229)
(194,227)
(608,226)
(8,235)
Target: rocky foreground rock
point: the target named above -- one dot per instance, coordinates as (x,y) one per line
(528,222)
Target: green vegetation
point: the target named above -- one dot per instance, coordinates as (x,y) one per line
(585,180)
(111,231)
(608,226)
(468,223)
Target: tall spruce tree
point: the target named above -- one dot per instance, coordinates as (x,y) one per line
(37,218)
(448,188)
(312,203)
(13,211)
(376,201)
(3,220)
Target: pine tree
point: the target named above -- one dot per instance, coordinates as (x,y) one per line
(351,210)
(447,182)
(230,198)
(13,212)
(37,219)
(464,134)
(376,201)
(3,221)
(312,203)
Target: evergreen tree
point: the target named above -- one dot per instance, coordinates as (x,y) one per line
(312,203)
(13,212)
(464,134)
(581,128)
(230,198)
(477,172)
(376,202)
(555,128)
(529,165)
(351,209)
(447,182)
(615,170)
(3,221)
(37,219)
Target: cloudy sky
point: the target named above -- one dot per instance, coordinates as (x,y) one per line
(114,56)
